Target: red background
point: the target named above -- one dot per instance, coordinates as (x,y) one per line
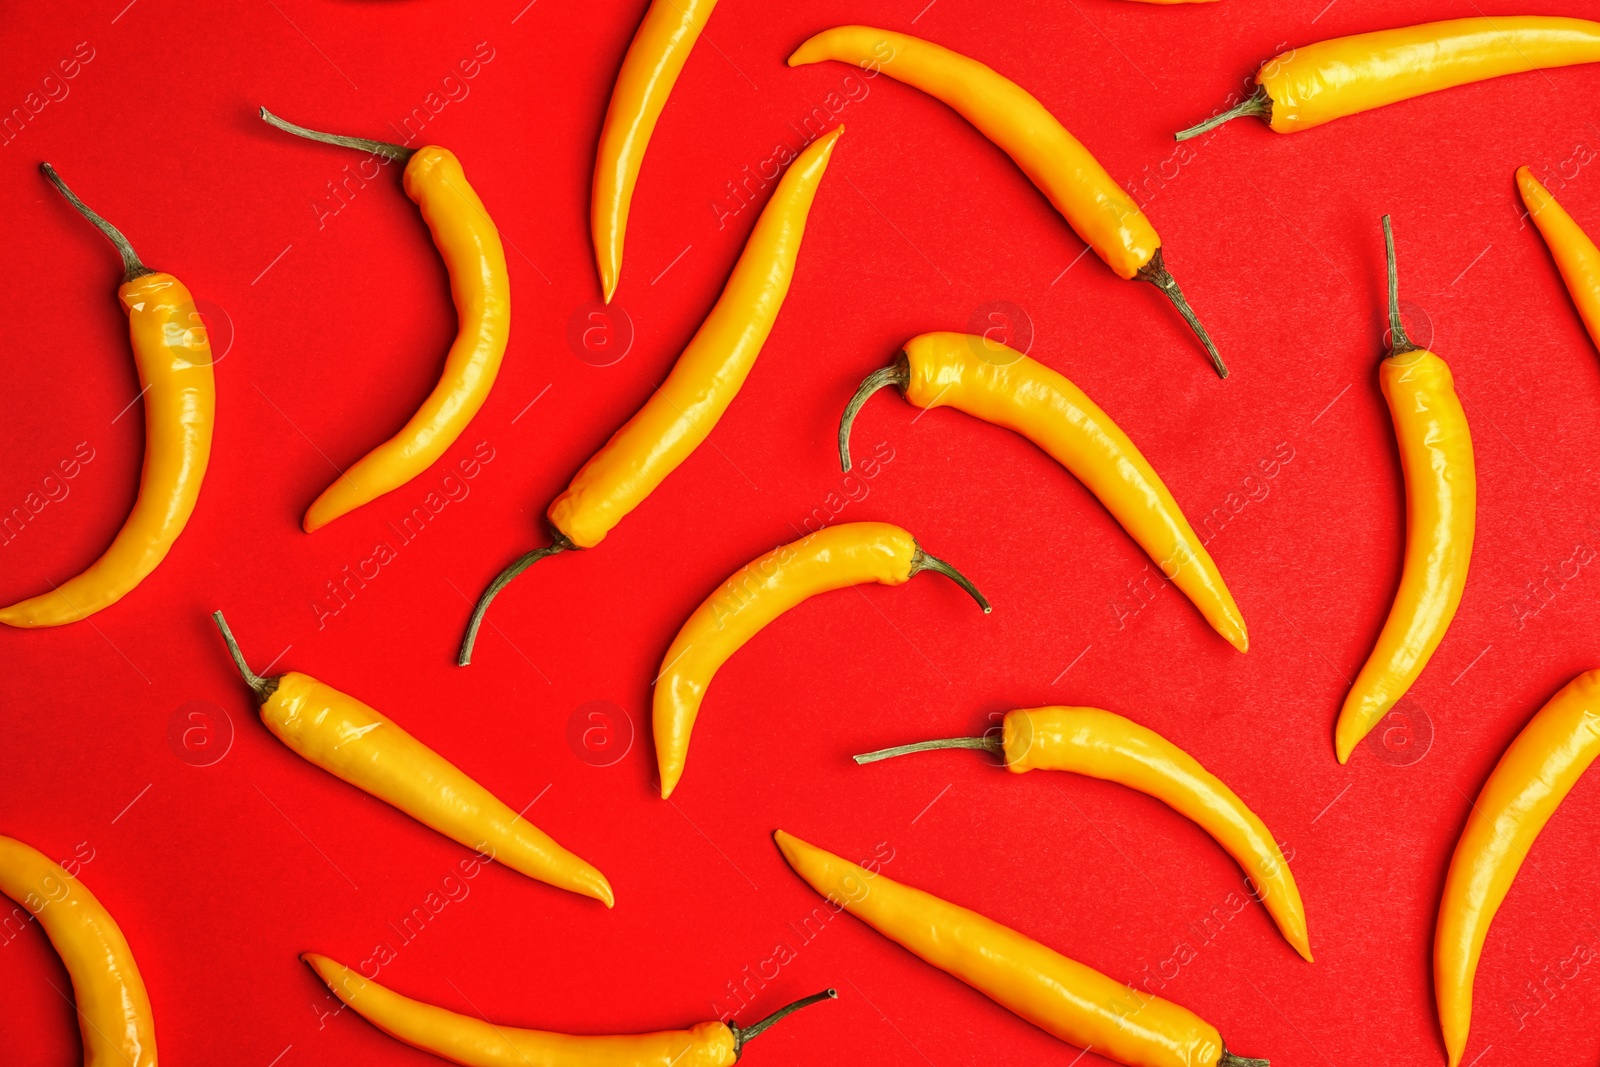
(221,874)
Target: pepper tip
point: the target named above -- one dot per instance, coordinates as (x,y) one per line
(1532,190)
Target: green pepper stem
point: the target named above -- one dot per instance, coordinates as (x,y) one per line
(503,579)
(1230,1060)
(742,1035)
(1258,103)
(897,374)
(377,148)
(921,561)
(986,743)
(1155,272)
(131,266)
(1399,343)
(264,687)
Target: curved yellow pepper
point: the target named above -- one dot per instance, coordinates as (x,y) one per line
(1002,386)
(654,60)
(835,557)
(1531,780)
(1317,83)
(480,286)
(1441,515)
(1098,209)
(478,1043)
(1575,254)
(1102,744)
(173,354)
(1060,996)
(349,740)
(687,406)
(113,1008)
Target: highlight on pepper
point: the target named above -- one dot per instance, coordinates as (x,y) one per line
(1002,386)
(1534,775)
(649,71)
(114,1016)
(173,354)
(481,289)
(1061,996)
(688,405)
(1313,84)
(835,557)
(1441,479)
(475,1042)
(1097,208)
(1102,744)
(364,747)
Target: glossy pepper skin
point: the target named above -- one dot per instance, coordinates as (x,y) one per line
(1575,254)
(173,354)
(710,372)
(1061,996)
(1313,84)
(1097,208)
(1531,780)
(113,1008)
(655,59)
(835,557)
(1102,744)
(687,406)
(1441,516)
(1002,386)
(475,1042)
(480,286)
(349,740)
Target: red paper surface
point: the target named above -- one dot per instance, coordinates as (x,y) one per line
(221,872)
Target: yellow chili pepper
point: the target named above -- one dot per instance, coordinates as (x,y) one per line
(655,59)
(173,354)
(478,1043)
(1060,996)
(1103,744)
(1441,514)
(481,289)
(113,1007)
(835,557)
(704,381)
(1305,87)
(1001,385)
(361,745)
(1575,254)
(1094,205)
(1531,780)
